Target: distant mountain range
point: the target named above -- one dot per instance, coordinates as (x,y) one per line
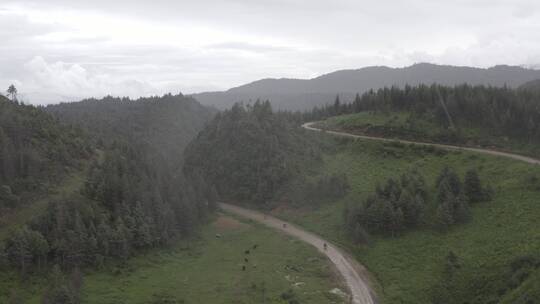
(301,94)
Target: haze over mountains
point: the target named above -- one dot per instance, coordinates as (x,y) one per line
(302,94)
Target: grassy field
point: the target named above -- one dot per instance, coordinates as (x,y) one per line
(406,126)
(208,270)
(407,267)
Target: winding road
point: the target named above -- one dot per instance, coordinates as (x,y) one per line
(530,160)
(355,275)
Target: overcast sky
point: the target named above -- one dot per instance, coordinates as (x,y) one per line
(57,50)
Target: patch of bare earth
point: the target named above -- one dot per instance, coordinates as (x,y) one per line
(225,223)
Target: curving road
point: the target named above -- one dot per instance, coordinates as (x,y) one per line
(530,160)
(355,275)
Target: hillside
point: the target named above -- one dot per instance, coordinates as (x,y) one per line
(36,152)
(494,259)
(432,226)
(164,124)
(302,94)
(258,152)
(498,118)
(130,197)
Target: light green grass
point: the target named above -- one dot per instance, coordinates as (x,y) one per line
(405,125)
(394,122)
(209,270)
(408,266)
(397,119)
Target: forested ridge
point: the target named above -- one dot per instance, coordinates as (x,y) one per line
(35,151)
(249,153)
(499,113)
(135,195)
(162,125)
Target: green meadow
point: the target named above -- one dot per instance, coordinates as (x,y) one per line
(208,269)
(406,268)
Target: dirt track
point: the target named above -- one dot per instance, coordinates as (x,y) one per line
(353,273)
(530,160)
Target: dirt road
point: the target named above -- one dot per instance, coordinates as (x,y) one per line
(355,275)
(530,160)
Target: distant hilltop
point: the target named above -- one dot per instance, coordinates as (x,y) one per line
(300,94)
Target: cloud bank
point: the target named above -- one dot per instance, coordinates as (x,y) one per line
(60,50)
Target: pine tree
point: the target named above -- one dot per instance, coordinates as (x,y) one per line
(18,249)
(450,177)
(443,217)
(472,186)
(397,221)
(337,106)
(12,93)
(360,235)
(461,210)
(58,292)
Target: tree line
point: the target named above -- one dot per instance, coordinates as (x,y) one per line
(135,195)
(498,111)
(35,151)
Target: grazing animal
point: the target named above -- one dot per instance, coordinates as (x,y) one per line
(255,246)
(246,252)
(246,260)
(243,268)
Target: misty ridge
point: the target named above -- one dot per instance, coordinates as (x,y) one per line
(303,94)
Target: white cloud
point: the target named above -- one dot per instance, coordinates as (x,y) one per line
(72,81)
(79,48)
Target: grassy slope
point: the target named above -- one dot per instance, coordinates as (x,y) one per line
(208,270)
(408,266)
(69,187)
(401,125)
(18,217)
(9,279)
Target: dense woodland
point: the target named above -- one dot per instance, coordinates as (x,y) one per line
(408,201)
(135,195)
(163,126)
(35,151)
(499,112)
(258,152)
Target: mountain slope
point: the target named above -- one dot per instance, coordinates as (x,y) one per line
(300,94)
(131,197)
(35,151)
(163,125)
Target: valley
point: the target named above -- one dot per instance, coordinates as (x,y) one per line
(269,152)
(409,266)
(390,198)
